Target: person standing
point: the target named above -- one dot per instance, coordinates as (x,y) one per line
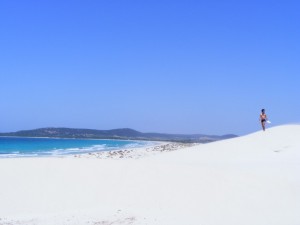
(263,119)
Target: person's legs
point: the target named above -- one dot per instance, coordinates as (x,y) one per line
(263,125)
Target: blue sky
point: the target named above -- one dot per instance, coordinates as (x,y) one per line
(155,66)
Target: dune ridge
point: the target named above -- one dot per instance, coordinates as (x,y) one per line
(249,180)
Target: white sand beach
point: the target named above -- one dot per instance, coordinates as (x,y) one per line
(250,180)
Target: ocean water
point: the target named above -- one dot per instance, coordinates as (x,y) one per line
(37,147)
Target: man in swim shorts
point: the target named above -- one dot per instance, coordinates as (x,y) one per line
(263,118)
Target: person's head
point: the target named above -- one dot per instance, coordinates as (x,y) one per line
(263,110)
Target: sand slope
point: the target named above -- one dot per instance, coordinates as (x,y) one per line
(252,180)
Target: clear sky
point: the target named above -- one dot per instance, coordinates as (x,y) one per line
(155,66)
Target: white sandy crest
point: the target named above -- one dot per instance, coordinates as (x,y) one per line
(251,180)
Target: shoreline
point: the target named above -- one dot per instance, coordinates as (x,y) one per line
(136,153)
(58,149)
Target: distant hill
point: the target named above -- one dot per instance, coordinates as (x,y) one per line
(124,133)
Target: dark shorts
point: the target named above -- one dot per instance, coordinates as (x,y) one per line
(263,120)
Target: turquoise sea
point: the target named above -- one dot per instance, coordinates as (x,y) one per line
(37,147)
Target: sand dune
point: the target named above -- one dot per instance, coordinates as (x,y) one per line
(252,180)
